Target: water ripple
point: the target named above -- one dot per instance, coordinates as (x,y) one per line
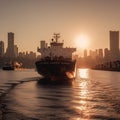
(92,98)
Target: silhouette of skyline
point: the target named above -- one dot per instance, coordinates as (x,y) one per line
(12,54)
(103,59)
(35,20)
(91,58)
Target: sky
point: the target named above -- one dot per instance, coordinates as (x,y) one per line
(35,20)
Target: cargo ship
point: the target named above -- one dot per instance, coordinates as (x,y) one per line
(56,63)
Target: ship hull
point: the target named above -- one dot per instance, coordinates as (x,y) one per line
(56,70)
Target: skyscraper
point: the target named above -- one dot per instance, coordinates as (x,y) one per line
(1,48)
(10,49)
(114,45)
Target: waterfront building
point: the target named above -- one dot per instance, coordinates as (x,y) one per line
(114,45)
(1,48)
(10,53)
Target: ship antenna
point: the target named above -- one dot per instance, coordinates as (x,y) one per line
(56,36)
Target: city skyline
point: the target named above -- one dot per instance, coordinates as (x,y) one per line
(113,45)
(35,20)
(94,57)
(12,50)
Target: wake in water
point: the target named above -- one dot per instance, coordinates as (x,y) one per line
(94,96)
(5,88)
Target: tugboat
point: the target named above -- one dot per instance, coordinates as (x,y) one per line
(8,66)
(56,63)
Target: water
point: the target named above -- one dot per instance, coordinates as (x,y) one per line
(94,95)
(10,78)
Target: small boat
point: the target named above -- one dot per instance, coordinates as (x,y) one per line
(8,66)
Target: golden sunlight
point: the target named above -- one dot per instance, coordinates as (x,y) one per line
(81,41)
(83,95)
(83,73)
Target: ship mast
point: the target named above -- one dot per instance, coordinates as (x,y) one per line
(56,36)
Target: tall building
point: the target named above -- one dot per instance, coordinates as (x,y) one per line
(10,53)
(114,45)
(85,53)
(1,48)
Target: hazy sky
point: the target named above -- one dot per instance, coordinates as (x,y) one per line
(35,20)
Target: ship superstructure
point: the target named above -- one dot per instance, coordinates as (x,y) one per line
(55,50)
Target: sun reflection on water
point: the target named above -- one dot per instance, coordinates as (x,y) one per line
(83,78)
(83,73)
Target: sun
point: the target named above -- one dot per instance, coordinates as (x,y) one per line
(81,41)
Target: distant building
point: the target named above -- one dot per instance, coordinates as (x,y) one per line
(100,53)
(21,54)
(16,51)
(10,53)
(92,54)
(107,55)
(85,53)
(1,48)
(114,45)
(32,55)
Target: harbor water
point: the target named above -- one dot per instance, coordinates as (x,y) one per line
(93,95)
